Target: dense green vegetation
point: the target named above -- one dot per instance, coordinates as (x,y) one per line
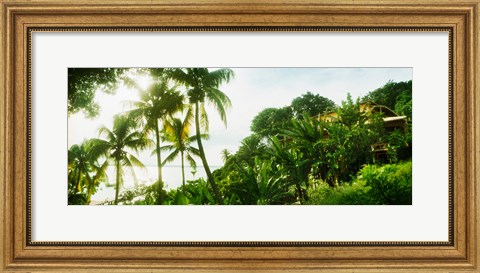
(293,155)
(84,82)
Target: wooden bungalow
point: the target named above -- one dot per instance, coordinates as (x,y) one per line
(392,122)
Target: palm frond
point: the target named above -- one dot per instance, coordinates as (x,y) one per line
(131,83)
(134,161)
(138,111)
(189,119)
(194,137)
(203,118)
(171,157)
(137,140)
(130,162)
(193,150)
(219,76)
(179,75)
(101,172)
(168,127)
(220,101)
(99,147)
(165,148)
(191,160)
(122,126)
(107,133)
(157,73)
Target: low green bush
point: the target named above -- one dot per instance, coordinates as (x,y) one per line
(389,184)
(355,193)
(77,198)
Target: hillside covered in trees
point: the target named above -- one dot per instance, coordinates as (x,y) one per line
(311,152)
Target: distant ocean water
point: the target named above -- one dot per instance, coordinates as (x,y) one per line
(172,177)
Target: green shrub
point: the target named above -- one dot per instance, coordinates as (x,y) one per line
(77,198)
(262,185)
(195,192)
(355,193)
(389,184)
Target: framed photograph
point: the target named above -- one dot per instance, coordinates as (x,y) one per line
(298,136)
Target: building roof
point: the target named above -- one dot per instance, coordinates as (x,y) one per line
(373,107)
(387,119)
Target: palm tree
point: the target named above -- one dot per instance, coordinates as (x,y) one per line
(177,132)
(203,85)
(155,104)
(122,137)
(226,155)
(251,147)
(84,172)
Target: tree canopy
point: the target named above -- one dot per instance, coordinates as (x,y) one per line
(391,93)
(311,104)
(292,156)
(271,121)
(83,84)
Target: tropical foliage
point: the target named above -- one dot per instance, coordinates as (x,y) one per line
(156,104)
(84,173)
(202,85)
(177,132)
(84,82)
(389,184)
(294,154)
(117,145)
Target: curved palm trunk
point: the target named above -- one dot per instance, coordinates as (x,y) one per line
(89,194)
(117,182)
(183,171)
(299,193)
(159,161)
(77,185)
(216,192)
(90,188)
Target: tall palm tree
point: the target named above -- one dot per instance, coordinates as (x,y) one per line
(84,171)
(115,147)
(177,132)
(202,85)
(155,104)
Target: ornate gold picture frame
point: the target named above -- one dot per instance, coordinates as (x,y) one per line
(21,18)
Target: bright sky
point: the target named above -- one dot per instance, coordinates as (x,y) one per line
(251,90)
